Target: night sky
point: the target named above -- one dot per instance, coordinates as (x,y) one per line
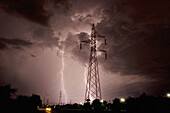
(40,54)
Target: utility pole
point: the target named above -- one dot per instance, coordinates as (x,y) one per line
(47,102)
(60,99)
(44,101)
(93,90)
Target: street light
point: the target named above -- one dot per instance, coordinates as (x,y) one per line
(168,95)
(101,101)
(122,100)
(81,103)
(48,109)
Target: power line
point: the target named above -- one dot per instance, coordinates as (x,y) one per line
(100,30)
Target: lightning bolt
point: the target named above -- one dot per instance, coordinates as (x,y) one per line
(62,78)
(85,75)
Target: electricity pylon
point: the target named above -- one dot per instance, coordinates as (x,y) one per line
(93,90)
(60,99)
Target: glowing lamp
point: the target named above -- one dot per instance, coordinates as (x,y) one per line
(168,95)
(81,103)
(122,100)
(48,109)
(101,101)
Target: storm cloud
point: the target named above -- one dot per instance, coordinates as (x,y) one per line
(37,32)
(138,40)
(32,10)
(138,45)
(16,42)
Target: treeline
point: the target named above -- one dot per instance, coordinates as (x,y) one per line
(141,104)
(12,103)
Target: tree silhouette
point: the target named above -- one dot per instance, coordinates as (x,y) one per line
(96,104)
(6,101)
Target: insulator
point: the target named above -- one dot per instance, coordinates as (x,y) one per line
(94,36)
(91,49)
(80,46)
(105,41)
(93,25)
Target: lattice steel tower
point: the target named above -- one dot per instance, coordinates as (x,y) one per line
(93,90)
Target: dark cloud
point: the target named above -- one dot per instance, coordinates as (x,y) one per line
(64,4)
(138,46)
(18,32)
(17,42)
(32,10)
(17,47)
(32,55)
(44,37)
(152,11)
(126,90)
(72,45)
(3,46)
(138,40)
